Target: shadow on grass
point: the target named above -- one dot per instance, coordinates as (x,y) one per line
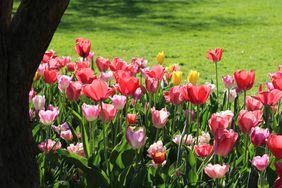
(132,15)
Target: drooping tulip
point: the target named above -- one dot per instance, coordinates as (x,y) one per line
(220,120)
(157,153)
(249,119)
(215,56)
(159,117)
(224,141)
(216,171)
(135,136)
(245,80)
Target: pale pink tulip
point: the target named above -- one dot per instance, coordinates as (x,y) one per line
(77,148)
(90,112)
(187,139)
(39,102)
(159,117)
(118,101)
(66,135)
(135,136)
(47,117)
(50,145)
(64,82)
(216,171)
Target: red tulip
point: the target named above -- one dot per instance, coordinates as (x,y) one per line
(151,84)
(278,167)
(131,119)
(198,94)
(224,141)
(203,150)
(73,91)
(98,90)
(121,74)
(85,75)
(220,120)
(215,56)
(102,64)
(274,144)
(174,95)
(47,56)
(253,104)
(82,64)
(277,83)
(244,79)
(128,86)
(50,76)
(71,67)
(278,183)
(108,113)
(118,64)
(249,119)
(156,71)
(269,98)
(82,47)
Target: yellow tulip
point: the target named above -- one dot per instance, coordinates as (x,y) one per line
(35,76)
(160,57)
(193,77)
(176,77)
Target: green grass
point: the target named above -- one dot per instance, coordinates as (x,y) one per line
(249,31)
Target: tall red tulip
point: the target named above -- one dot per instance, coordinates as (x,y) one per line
(224,141)
(274,144)
(50,76)
(156,71)
(249,119)
(215,56)
(220,120)
(245,80)
(118,64)
(128,86)
(269,98)
(82,47)
(277,83)
(198,94)
(85,75)
(98,90)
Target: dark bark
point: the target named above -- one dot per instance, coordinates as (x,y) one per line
(23,42)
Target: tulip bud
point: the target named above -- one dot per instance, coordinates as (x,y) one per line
(160,57)
(90,112)
(228,81)
(193,77)
(259,135)
(119,101)
(135,136)
(131,119)
(39,102)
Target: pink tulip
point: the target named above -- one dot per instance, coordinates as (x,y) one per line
(73,91)
(135,136)
(232,95)
(39,102)
(224,141)
(64,82)
(204,138)
(30,112)
(62,127)
(174,95)
(105,76)
(159,117)
(31,94)
(151,84)
(259,135)
(90,112)
(220,120)
(47,117)
(249,119)
(50,145)
(187,139)
(66,135)
(102,64)
(108,113)
(118,101)
(78,149)
(253,104)
(260,162)
(216,171)
(157,153)
(269,86)
(228,81)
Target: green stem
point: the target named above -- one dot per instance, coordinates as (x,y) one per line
(105,138)
(246,149)
(157,135)
(245,94)
(216,79)
(198,123)
(268,117)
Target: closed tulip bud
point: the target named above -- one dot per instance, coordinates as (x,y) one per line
(260,162)
(90,112)
(193,77)
(176,77)
(228,81)
(66,135)
(82,47)
(135,137)
(216,171)
(259,135)
(160,57)
(39,102)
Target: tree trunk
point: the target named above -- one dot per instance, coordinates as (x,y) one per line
(23,42)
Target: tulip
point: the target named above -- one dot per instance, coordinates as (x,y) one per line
(105,76)
(193,77)
(216,171)
(278,168)
(30,113)
(198,94)
(269,98)
(244,79)
(159,117)
(204,138)
(66,135)
(249,119)
(85,75)
(278,183)
(118,64)
(160,57)
(232,95)
(50,76)
(73,91)
(203,150)
(157,153)
(128,86)
(156,71)
(71,67)
(98,90)
(253,104)
(215,56)
(228,81)
(82,47)
(224,141)
(39,102)
(31,94)
(50,145)
(187,139)
(131,119)
(48,55)
(260,162)
(64,82)
(274,144)
(220,120)
(77,149)
(135,136)
(90,112)
(176,77)
(118,101)
(60,128)
(172,68)
(151,84)
(47,117)
(259,135)
(102,64)
(270,86)
(108,112)
(277,83)
(174,95)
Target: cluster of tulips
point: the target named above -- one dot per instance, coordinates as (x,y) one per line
(109,123)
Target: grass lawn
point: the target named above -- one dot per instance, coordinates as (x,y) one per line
(249,31)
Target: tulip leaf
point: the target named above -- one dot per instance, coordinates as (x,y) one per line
(61,184)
